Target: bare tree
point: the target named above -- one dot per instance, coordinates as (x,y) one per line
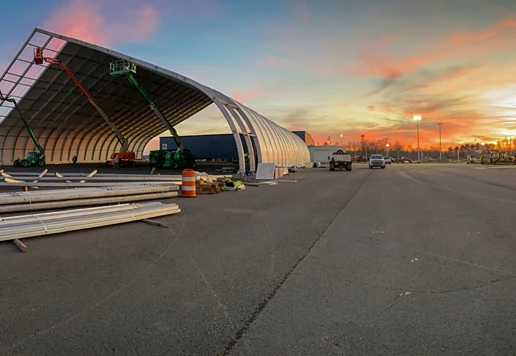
(374,146)
(398,147)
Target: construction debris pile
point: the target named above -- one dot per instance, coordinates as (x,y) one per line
(209,184)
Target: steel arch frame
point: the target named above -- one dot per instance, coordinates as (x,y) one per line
(67,125)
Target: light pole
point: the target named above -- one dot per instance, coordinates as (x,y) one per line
(341,142)
(511,143)
(363,145)
(387,149)
(417,118)
(440,141)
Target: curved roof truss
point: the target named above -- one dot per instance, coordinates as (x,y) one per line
(66,124)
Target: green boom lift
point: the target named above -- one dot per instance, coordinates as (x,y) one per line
(126,68)
(33,158)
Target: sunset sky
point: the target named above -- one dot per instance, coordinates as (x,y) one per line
(328,67)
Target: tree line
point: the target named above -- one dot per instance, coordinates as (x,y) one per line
(396,148)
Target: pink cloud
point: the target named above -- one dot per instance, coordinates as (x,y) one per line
(85,20)
(246,96)
(78,19)
(271,61)
(491,31)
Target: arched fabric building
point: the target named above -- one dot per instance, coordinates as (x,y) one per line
(66,124)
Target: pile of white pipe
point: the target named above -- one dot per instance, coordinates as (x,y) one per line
(74,178)
(17,227)
(79,184)
(52,199)
(83,175)
(100,178)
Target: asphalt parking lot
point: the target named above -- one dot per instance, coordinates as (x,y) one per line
(410,260)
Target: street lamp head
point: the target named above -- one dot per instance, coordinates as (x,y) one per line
(387,145)
(341,135)
(417,117)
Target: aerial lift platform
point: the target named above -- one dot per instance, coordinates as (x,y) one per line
(125,157)
(128,69)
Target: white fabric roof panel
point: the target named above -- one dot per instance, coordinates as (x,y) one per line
(66,124)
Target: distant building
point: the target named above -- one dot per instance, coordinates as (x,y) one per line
(305,136)
(217,146)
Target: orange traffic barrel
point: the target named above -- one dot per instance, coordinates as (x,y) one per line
(188,184)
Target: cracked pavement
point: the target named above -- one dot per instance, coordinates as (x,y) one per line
(422,261)
(410,260)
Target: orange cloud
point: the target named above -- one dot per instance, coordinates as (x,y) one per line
(383,58)
(375,60)
(383,107)
(458,79)
(84,20)
(453,133)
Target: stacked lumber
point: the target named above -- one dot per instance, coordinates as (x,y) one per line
(17,227)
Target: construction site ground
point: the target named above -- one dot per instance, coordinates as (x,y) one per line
(410,260)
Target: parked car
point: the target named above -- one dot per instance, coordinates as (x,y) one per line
(359,159)
(377,161)
(388,160)
(404,160)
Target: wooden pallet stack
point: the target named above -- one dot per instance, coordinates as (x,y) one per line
(204,187)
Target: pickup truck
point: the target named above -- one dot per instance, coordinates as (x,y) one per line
(340,159)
